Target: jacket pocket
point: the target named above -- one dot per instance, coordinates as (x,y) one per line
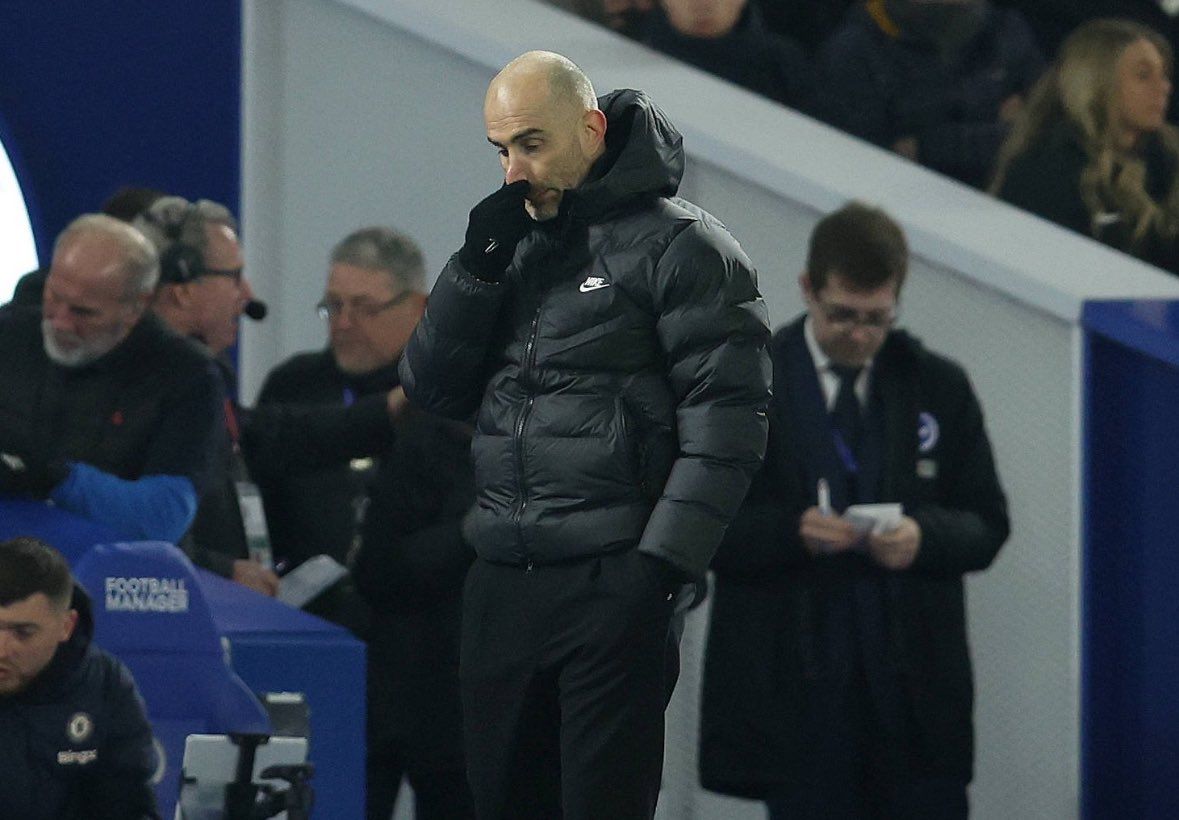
(631,444)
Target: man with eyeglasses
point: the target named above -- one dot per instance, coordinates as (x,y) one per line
(104,411)
(837,680)
(347,468)
(202,295)
(373,298)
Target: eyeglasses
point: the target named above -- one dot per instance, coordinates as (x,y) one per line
(235,274)
(360,308)
(850,317)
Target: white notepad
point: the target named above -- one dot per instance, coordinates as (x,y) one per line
(873,519)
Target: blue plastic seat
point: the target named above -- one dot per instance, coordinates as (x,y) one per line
(150,612)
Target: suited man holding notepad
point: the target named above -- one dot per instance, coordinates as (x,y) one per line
(838,681)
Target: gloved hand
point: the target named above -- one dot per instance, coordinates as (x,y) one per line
(22,474)
(496,226)
(668,577)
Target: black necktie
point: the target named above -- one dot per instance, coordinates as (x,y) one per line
(845,414)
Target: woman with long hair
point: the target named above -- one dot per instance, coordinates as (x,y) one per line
(1092,149)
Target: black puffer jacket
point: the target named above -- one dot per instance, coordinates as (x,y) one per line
(619,369)
(76,744)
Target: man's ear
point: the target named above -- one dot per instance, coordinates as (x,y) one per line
(593,132)
(417,305)
(173,294)
(68,625)
(804,284)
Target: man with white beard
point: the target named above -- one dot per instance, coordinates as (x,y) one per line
(103,411)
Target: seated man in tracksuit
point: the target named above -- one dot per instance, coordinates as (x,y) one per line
(74,740)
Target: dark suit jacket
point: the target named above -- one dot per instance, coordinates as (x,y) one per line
(764,669)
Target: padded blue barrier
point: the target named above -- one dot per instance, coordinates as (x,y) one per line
(1130,666)
(72,535)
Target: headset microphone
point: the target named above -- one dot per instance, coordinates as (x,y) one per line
(256,310)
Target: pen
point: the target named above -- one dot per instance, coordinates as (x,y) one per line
(824,497)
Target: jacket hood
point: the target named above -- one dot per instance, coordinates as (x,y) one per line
(644,156)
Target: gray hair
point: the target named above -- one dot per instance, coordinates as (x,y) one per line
(141,264)
(172,219)
(384,249)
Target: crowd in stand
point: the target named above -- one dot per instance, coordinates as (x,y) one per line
(1062,107)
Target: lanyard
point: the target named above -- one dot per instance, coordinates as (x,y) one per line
(231,422)
(845,453)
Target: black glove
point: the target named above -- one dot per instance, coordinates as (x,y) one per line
(21,474)
(668,576)
(496,226)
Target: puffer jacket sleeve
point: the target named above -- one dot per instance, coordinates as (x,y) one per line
(444,369)
(713,327)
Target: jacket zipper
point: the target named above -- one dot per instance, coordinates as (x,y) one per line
(521,422)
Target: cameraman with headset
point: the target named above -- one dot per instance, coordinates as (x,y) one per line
(202,295)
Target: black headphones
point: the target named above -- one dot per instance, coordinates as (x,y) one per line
(181,262)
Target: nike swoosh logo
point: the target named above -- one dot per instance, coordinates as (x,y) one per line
(589,285)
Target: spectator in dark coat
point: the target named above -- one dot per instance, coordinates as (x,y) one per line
(124,204)
(937,81)
(375,283)
(1053,20)
(624,16)
(1093,152)
(810,22)
(728,38)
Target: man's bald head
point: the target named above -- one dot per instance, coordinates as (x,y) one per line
(542,115)
(549,72)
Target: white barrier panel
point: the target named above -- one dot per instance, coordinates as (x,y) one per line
(369,112)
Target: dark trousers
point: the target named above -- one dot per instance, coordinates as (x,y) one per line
(438,795)
(565,675)
(857,768)
(920,799)
(415,714)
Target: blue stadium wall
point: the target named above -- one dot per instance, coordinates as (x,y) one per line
(96,95)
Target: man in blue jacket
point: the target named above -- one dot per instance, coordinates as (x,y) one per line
(74,740)
(612,339)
